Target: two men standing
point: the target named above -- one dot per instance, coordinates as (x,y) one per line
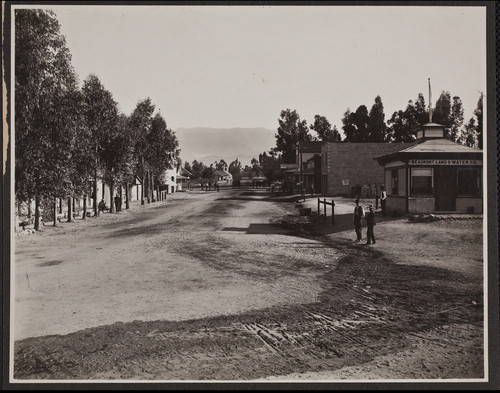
(359,214)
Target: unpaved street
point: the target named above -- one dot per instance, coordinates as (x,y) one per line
(213,286)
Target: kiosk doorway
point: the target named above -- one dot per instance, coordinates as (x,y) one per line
(446,189)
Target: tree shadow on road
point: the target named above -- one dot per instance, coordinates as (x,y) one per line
(262,195)
(261,229)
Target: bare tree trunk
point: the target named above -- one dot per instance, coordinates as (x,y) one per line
(148,196)
(126,195)
(70,212)
(96,207)
(29,207)
(84,216)
(55,211)
(152,189)
(120,194)
(96,210)
(111,191)
(37,213)
(143,181)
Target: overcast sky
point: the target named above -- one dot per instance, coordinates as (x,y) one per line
(228,66)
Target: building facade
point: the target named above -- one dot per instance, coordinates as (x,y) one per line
(306,171)
(182,179)
(169,185)
(349,169)
(433,175)
(222,176)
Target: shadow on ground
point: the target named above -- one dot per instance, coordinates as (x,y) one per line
(261,229)
(368,306)
(262,195)
(319,225)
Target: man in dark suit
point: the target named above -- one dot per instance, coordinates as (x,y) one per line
(383,199)
(359,213)
(370,222)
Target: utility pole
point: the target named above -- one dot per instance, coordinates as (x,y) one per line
(301,172)
(430,102)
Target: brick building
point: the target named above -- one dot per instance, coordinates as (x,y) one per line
(346,167)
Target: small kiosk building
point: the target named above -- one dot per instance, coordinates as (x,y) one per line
(434,175)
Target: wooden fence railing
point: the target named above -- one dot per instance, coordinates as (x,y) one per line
(325,203)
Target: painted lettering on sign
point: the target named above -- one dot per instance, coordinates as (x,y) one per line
(445,162)
(289,166)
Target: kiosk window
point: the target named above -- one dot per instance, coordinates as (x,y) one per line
(421,181)
(394,182)
(468,181)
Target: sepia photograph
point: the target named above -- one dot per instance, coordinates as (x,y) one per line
(258,195)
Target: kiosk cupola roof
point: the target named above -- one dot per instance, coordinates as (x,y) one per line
(430,130)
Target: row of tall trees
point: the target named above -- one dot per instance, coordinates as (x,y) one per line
(204,174)
(365,125)
(67,137)
(267,164)
(447,111)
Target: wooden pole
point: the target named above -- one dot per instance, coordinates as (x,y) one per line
(127,190)
(333,212)
(84,216)
(37,213)
(70,212)
(55,211)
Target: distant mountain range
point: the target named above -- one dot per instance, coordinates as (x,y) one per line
(212,144)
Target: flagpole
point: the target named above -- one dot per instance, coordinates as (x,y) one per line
(430,101)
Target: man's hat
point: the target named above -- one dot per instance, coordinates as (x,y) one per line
(370,207)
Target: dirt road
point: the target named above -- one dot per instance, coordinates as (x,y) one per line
(212,286)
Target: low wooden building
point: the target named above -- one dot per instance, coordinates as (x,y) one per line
(433,175)
(182,178)
(305,172)
(222,176)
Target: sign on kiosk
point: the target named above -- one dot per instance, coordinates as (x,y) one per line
(445,162)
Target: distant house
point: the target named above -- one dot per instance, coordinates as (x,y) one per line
(223,176)
(135,190)
(170,181)
(182,179)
